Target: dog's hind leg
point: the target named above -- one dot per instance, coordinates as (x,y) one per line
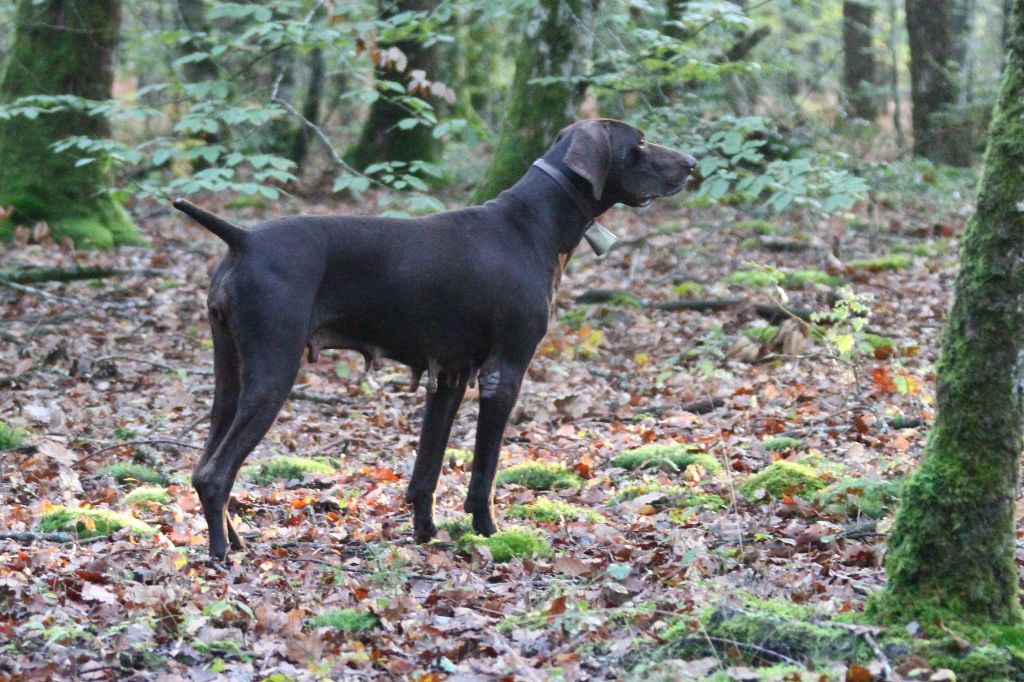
(268,358)
(434,433)
(501,380)
(227,384)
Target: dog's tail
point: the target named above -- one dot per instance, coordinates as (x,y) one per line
(233,235)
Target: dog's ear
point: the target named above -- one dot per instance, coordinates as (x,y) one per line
(590,154)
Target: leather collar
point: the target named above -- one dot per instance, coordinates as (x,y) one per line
(566,184)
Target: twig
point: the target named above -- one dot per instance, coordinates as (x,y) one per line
(127,443)
(32,536)
(193,424)
(168,368)
(31,290)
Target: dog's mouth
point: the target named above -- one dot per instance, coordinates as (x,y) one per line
(644,201)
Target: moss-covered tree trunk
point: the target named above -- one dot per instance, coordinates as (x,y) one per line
(951,553)
(859,58)
(933,92)
(381,138)
(61,47)
(556,45)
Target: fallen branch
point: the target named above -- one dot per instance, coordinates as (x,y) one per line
(31,536)
(772,313)
(703,406)
(32,275)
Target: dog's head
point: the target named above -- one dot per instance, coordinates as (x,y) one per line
(620,165)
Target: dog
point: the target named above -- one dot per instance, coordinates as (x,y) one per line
(462,296)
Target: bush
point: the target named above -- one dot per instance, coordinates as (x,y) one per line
(10,437)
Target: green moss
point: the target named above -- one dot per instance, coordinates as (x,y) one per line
(552,510)
(801,277)
(783,478)
(540,476)
(88,522)
(575,317)
(875,341)
(764,628)
(677,457)
(515,543)
(11,437)
(291,469)
(345,620)
(762,227)
(895,261)
(457,528)
(148,494)
(133,474)
(752,278)
(761,334)
(779,443)
(677,496)
(854,497)
(460,455)
(687,289)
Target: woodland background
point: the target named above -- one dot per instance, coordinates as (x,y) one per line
(704,466)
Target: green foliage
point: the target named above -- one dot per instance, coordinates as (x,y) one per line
(11,437)
(761,334)
(764,277)
(762,227)
(88,522)
(846,320)
(515,543)
(799,277)
(348,621)
(552,510)
(148,495)
(291,469)
(853,497)
(539,476)
(895,261)
(753,278)
(677,457)
(133,474)
(783,478)
(687,289)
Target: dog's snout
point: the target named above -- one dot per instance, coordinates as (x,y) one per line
(688,162)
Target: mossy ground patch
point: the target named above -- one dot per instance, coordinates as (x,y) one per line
(90,522)
(540,476)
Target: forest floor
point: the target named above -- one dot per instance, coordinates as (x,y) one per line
(643,566)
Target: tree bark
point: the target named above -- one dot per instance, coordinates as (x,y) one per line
(951,554)
(193,17)
(381,139)
(310,106)
(554,46)
(933,91)
(859,58)
(61,47)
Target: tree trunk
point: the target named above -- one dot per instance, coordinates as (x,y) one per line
(310,106)
(859,58)
(951,554)
(193,17)
(555,46)
(61,48)
(381,139)
(933,91)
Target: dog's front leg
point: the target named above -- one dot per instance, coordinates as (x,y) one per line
(437,426)
(499,389)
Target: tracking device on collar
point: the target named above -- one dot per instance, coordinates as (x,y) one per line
(600,238)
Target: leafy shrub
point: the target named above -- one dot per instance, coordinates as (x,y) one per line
(677,456)
(540,476)
(133,474)
(89,523)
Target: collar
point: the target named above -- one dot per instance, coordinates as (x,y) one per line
(569,188)
(600,239)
